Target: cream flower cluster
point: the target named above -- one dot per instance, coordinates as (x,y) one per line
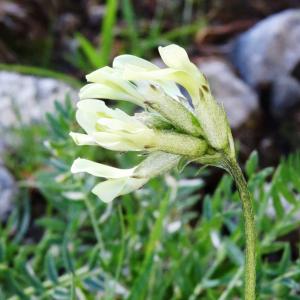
(174,125)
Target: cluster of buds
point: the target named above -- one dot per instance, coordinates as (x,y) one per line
(181,119)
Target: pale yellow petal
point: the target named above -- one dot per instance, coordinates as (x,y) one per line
(102,91)
(122,61)
(175,57)
(82,139)
(111,189)
(99,170)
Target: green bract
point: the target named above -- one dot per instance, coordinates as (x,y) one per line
(173,126)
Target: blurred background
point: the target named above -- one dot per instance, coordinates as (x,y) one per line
(58,242)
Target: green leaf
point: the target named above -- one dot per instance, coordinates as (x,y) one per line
(234,253)
(272,247)
(31,277)
(33,70)
(94,284)
(2,250)
(90,52)
(251,164)
(61,293)
(51,223)
(107,34)
(277,204)
(93,257)
(282,188)
(207,208)
(287,227)
(50,268)
(25,220)
(285,259)
(133,29)
(68,261)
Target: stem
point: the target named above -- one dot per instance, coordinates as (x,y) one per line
(95,225)
(250,232)
(232,284)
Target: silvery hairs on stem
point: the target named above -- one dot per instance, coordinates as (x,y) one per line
(172,127)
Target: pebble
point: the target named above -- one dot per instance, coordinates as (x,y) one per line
(29,97)
(269,49)
(8,190)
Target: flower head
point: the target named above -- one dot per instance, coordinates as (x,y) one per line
(171,127)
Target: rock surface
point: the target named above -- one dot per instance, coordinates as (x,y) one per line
(285,96)
(239,100)
(30,97)
(269,49)
(7,192)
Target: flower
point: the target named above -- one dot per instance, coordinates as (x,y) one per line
(123,181)
(209,113)
(113,129)
(171,127)
(109,128)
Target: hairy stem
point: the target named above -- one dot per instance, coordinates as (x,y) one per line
(250,232)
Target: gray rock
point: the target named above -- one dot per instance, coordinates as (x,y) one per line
(239,100)
(285,95)
(29,96)
(7,192)
(25,98)
(269,49)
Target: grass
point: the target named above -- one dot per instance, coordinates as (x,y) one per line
(135,39)
(37,71)
(107,32)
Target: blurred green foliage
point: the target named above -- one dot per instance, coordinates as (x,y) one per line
(121,30)
(61,242)
(89,57)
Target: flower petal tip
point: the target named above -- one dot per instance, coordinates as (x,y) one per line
(74,169)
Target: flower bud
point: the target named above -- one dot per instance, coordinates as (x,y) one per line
(154,120)
(174,111)
(213,121)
